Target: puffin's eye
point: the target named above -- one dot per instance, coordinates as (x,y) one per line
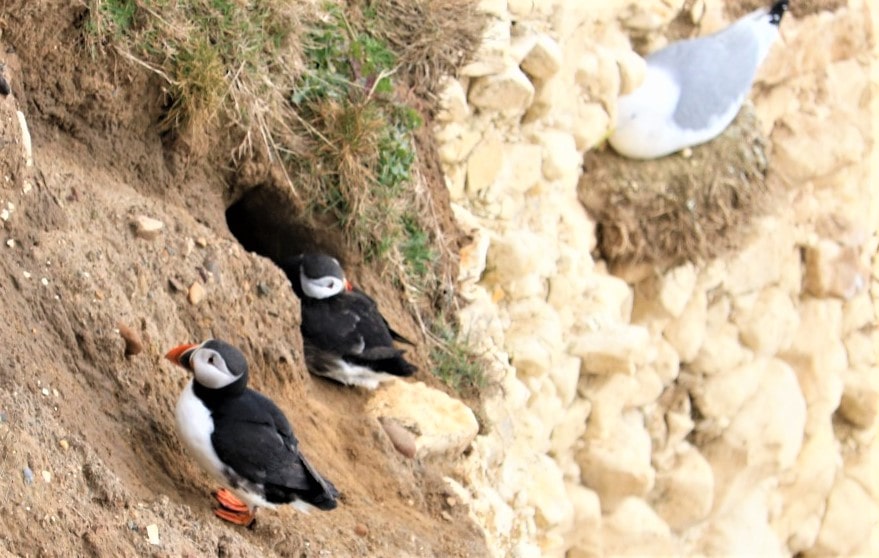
(211,359)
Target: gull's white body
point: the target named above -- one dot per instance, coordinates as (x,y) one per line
(692,89)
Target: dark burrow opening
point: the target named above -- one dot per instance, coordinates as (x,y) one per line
(267,220)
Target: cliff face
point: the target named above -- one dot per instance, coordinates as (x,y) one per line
(724,407)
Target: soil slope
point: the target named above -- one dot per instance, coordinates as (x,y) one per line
(88,452)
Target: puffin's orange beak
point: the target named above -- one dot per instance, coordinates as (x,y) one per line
(174,354)
(348,286)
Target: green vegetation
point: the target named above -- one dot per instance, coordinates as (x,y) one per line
(454,361)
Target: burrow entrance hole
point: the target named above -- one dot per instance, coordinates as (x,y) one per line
(267,220)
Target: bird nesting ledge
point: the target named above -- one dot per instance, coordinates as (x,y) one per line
(678,208)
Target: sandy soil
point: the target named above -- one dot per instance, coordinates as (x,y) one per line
(88,452)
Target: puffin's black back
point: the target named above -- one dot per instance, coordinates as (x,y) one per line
(252,436)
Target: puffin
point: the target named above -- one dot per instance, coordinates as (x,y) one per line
(344,334)
(693,89)
(242,438)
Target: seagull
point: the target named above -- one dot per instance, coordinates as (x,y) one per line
(694,88)
(345,336)
(242,438)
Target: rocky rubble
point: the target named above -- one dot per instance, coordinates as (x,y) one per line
(722,408)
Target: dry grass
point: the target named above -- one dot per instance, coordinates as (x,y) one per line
(675,209)
(432,38)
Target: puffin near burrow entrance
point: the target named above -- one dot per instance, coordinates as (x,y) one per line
(344,335)
(242,438)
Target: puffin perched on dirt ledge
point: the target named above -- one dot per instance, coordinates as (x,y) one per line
(242,438)
(345,336)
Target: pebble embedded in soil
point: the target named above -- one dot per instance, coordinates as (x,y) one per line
(361,530)
(262,289)
(63,444)
(153,534)
(133,344)
(176,285)
(402,439)
(147,227)
(47,476)
(28,475)
(196,293)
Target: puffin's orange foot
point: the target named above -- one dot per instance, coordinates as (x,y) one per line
(228,501)
(245,519)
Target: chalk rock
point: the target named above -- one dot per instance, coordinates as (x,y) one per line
(585,538)
(446,425)
(509,92)
(590,126)
(804,488)
(720,351)
(147,227)
(456,143)
(548,494)
(515,254)
(742,528)
(484,164)
(862,348)
(763,438)
(610,395)
(848,522)
(530,8)
(534,338)
(612,350)
(453,102)
(803,159)
(768,322)
(684,493)
(687,333)
(834,270)
(522,167)
(860,397)
(560,155)
(473,257)
(571,428)
(565,374)
(770,425)
(818,355)
(619,465)
(667,364)
(722,395)
(634,529)
(544,59)
(494,48)
(671,291)
(632,70)
(773,245)
(858,313)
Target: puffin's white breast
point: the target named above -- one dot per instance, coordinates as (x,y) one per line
(195,426)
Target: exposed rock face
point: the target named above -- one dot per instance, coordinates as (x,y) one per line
(726,407)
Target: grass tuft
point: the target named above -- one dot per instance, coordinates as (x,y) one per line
(454,361)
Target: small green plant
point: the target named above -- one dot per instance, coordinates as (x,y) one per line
(365,138)
(454,361)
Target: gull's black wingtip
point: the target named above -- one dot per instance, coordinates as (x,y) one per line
(776,12)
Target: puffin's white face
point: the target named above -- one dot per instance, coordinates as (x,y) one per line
(321,287)
(210,369)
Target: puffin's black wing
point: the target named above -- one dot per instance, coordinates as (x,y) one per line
(370,301)
(252,436)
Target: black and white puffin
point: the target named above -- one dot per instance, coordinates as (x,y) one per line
(345,336)
(242,438)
